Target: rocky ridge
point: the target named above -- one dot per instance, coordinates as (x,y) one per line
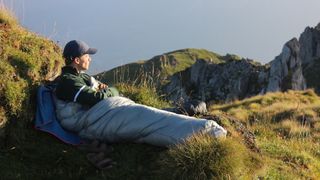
(295,68)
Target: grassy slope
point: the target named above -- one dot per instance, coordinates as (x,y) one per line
(287,130)
(286,126)
(26,60)
(158,68)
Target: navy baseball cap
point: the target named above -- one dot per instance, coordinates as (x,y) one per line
(76,48)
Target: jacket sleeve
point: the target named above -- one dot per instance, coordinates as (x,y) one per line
(78,91)
(88,96)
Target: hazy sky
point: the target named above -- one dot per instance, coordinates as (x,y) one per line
(129,30)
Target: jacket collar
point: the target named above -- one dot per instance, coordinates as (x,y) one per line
(69,69)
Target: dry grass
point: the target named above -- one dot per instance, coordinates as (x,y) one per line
(287,130)
(295,128)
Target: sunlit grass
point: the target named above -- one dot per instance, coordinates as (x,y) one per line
(143,94)
(287,130)
(204,157)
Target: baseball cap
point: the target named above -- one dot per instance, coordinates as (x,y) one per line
(77,48)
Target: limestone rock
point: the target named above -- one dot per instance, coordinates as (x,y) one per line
(310,44)
(286,70)
(295,68)
(206,81)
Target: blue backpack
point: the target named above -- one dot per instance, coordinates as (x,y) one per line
(46,119)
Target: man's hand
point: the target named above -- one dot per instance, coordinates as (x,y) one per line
(102,86)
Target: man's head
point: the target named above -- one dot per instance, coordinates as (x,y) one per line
(77,53)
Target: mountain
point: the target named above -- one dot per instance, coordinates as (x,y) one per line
(200,74)
(310,55)
(295,68)
(159,68)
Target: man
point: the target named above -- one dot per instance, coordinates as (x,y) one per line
(76,86)
(93,112)
(73,85)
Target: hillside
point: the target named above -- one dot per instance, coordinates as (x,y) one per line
(159,68)
(26,60)
(272,136)
(226,78)
(287,131)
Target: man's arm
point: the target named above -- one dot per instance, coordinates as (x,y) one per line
(76,90)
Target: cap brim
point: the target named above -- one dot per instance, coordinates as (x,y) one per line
(91,51)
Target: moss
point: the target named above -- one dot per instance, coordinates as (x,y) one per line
(15,93)
(26,60)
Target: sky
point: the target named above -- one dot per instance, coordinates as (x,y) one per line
(125,31)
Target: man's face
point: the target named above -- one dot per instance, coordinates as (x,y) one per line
(84,62)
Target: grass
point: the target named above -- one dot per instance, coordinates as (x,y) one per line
(205,157)
(143,94)
(26,60)
(7,18)
(286,127)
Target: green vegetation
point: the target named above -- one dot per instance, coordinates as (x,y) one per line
(26,60)
(286,125)
(143,94)
(205,157)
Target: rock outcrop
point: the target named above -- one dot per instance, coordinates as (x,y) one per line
(202,75)
(296,68)
(310,56)
(286,70)
(206,81)
(310,45)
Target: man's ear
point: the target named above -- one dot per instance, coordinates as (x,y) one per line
(76,60)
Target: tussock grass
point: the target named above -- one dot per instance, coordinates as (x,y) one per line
(204,157)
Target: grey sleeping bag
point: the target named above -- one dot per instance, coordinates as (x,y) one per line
(118,119)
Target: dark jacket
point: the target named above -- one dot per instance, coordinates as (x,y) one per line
(77,87)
